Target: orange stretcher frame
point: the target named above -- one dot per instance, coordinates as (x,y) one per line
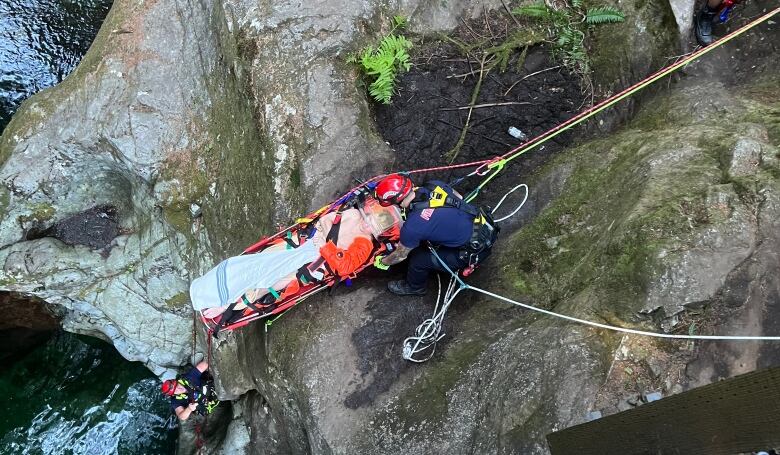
(287,300)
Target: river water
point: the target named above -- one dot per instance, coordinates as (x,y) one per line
(70,395)
(77,395)
(41,42)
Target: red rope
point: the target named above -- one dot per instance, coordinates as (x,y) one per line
(451,166)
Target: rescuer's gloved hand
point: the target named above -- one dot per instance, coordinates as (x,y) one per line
(378,263)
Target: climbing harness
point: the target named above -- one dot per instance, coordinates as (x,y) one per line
(484,231)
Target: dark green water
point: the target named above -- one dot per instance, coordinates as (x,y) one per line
(41,42)
(75,395)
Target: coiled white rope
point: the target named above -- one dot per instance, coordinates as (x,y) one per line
(428,333)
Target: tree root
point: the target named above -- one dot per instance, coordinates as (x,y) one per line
(452,154)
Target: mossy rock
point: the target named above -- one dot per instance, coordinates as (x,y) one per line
(180,300)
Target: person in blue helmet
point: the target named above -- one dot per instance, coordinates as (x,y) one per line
(437,217)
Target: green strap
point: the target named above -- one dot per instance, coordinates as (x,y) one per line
(273,292)
(269,322)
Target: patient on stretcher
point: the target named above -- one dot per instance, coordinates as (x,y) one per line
(258,279)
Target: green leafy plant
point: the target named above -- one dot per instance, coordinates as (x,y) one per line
(603,15)
(381,65)
(568,26)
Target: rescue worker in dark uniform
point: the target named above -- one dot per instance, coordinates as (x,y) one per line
(436,215)
(190,392)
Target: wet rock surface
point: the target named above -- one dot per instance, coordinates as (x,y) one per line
(26,323)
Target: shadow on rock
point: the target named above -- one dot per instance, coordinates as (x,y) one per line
(379,341)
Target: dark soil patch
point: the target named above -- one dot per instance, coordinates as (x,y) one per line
(95,228)
(751,54)
(428,112)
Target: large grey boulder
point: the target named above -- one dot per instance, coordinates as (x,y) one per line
(118,133)
(187,130)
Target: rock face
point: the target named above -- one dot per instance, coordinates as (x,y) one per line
(668,224)
(192,126)
(180,110)
(654,205)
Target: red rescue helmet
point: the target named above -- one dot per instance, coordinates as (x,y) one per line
(169,387)
(393,189)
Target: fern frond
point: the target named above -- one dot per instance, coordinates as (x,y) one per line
(604,15)
(399,21)
(576,3)
(534,10)
(383,63)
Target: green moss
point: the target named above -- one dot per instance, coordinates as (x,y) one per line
(236,160)
(39,212)
(179,300)
(178,217)
(603,234)
(764,106)
(295,176)
(650,31)
(5,201)
(426,400)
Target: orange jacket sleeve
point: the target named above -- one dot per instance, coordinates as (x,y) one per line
(345,262)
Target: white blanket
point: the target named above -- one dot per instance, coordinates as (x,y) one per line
(234,276)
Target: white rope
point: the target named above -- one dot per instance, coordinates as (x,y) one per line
(525,198)
(623,329)
(428,333)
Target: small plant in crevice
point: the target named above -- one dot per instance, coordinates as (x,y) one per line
(381,65)
(567,27)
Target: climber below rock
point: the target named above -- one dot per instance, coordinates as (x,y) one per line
(462,234)
(191,392)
